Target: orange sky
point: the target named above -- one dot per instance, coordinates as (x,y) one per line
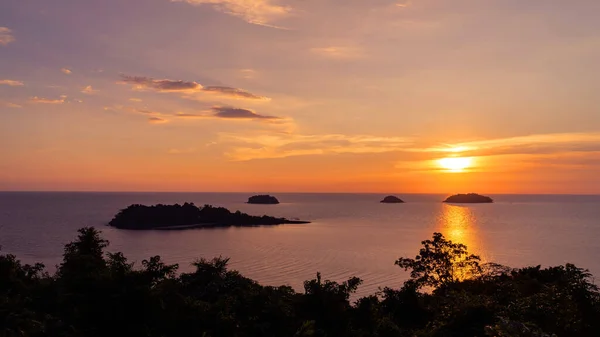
(309,96)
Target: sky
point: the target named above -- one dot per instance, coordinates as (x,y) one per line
(419,96)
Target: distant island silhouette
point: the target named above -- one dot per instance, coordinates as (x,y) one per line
(263,200)
(390,199)
(471,198)
(187,216)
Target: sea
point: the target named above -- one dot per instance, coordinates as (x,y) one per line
(349,234)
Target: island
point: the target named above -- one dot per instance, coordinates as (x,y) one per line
(390,199)
(263,200)
(471,198)
(187,216)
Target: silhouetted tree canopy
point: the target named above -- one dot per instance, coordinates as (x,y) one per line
(390,199)
(188,216)
(470,198)
(95,293)
(263,199)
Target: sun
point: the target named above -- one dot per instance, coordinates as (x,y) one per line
(455,164)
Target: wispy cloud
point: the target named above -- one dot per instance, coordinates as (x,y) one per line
(263,146)
(89,90)
(530,144)
(43,100)
(233,92)
(187,87)
(236,113)
(142,83)
(135,99)
(157,120)
(217,112)
(339,52)
(230,113)
(66,71)
(248,73)
(259,12)
(11,105)
(11,83)
(6,36)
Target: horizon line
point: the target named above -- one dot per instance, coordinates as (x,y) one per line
(291,192)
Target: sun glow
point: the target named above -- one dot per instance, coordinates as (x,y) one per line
(455,164)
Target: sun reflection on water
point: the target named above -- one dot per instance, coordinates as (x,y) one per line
(459,224)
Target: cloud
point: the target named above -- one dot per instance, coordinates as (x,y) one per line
(166,85)
(147,112)
(233,93)
(36,99)
(89,90)
(259,12)
(262,146)
(135,99)
(66,71)
(6,36)
(224,113)
(135,110)
(248,73)
(157,120)
(338,52)
(230,113)
(530,144)
(11,83)
(11,105)
(236,113)
(141,83)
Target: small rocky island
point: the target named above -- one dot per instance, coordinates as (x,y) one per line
(187,216)
(263,200)
(471,198)
(390,199)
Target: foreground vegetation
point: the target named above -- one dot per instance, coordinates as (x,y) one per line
(94,293)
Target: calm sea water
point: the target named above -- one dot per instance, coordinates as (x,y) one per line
(350,234)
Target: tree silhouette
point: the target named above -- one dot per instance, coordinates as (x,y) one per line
(440,262)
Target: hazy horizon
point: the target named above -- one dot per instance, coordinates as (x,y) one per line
(296,192)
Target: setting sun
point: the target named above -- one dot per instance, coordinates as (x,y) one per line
(455,164)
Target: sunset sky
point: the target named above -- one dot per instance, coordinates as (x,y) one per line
(300,95)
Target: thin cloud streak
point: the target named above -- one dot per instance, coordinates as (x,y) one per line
(217,112)
(43,100)
(89,90)
(230,113)
(66,71)
(339,52)
(258,12)
(11,105)
(289,145)
(531,144)
(12,83)
(157,120)
(6,36)
(187,87)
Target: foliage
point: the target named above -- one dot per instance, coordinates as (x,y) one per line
(95,293)
(440,262)
(187,215)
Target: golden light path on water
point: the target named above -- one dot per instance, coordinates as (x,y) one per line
(459,224)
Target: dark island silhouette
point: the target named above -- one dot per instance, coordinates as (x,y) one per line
(263,200)
(471,198)
(390,199)
(187,216)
